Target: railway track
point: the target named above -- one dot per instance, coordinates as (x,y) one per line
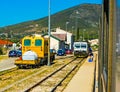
(16,68)
(52,81)
(63,57)
(16,80)
(8,71)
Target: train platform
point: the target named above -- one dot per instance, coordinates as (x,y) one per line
(83,80)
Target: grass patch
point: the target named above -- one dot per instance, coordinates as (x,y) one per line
(7,71)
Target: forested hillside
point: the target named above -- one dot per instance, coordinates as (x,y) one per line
(81,17)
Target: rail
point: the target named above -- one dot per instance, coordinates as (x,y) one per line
(53,74)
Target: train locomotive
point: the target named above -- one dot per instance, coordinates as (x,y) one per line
(34,51)
(81,49)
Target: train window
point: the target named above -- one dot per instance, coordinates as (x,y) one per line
(27,42)
(77,45)
(83,45)
(38,42)
(118,47)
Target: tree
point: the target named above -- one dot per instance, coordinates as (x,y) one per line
(77,34)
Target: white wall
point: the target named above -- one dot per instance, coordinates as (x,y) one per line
(54,44)
(69,36)
(69,40)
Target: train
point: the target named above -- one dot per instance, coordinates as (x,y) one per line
(34,51)
(109,49)
(81,49)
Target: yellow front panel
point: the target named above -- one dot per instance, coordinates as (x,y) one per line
(28,62)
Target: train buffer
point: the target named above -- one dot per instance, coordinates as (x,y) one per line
(83,80)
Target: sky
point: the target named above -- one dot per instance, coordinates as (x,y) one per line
(17,11)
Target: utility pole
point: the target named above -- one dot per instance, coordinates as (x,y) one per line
(72,29)
(84,34)
(66,25)
(66,29)
(49,32)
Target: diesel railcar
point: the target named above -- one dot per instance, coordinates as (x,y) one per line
(80,49)
(34,51)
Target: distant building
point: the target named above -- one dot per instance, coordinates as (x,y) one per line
(56,43)
(65,36)
(4,43)
(93,42)
(61,39)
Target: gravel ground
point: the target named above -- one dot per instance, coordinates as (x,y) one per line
(8,63)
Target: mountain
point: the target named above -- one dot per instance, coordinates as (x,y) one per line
(83,17)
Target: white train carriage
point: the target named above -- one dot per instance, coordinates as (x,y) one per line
(80,49)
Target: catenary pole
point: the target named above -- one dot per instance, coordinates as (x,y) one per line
(49,32)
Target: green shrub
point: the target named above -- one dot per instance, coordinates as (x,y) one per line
(95,47)
(1,51)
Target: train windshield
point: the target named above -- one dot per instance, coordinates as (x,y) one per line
(38,42)
(27,42)
(83,46)
(77,45)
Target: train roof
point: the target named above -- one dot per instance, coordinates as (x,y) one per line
(80,42)
(33,35)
